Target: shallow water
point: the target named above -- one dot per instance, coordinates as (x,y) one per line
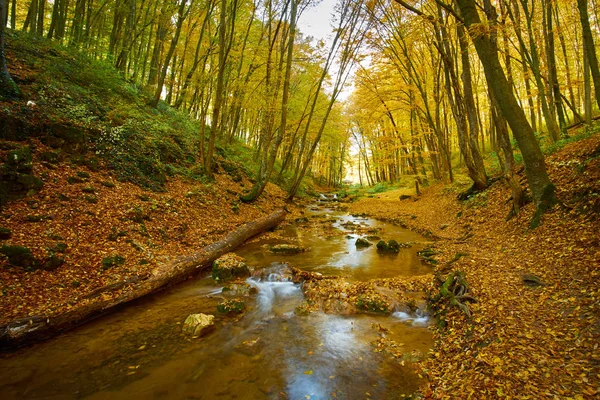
(140,353)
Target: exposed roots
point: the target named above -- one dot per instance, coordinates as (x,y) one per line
(454,292)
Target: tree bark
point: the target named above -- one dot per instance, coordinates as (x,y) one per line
(8,87)
(37,328)
(589,46)
(542,189)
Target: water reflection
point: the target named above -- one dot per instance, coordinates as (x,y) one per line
(140,353)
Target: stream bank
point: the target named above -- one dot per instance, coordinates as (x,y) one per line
(522,340)
(275,349)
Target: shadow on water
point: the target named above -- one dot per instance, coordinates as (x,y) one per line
(270,352)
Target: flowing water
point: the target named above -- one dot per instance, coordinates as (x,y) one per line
(139,352)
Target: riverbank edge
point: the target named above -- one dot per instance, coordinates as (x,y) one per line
(512,345)
(25,331)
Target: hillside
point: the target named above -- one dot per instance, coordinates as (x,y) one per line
(97,187)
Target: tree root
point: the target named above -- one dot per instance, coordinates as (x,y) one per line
(453,293)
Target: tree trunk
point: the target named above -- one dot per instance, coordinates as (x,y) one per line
(260,184)
(8,87)
(590,50)
(542,189)
(33,329)
(216,114)
(181,16)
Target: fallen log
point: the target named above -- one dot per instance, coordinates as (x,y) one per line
(33,329)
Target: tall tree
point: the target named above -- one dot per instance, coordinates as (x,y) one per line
(542,189)
(589,48)
(8,87)
(271,151)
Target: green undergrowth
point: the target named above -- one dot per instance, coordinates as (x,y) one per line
(90,115)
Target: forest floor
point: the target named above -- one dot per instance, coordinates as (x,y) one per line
(105,232)
(521,341)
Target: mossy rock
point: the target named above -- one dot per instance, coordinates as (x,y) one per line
(19,256)
(20,159)
(286,249)
(362,242)
(74,179)
(228,267)
(390,247)
(88,189)
(234,306)
(83,174)
(70,134)
(107,184)
(5,233)
(91,198)
(30,182)
(92,163)
(53,141)
(112,261)
(198,325)
(50,157)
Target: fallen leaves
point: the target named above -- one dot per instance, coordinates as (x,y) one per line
(145,229)
(522,342)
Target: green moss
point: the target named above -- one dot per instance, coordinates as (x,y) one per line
(30,181)
(233,306)
(74,179)
(115,234)
(5,233)
(107,184)
(112,261)
(20,159)
(391,246)
(49,157)
(362,242)
(83,175)
(374,305)
(91,198)
(88,189)
(19,256)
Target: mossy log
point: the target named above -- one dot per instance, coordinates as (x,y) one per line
(36,328)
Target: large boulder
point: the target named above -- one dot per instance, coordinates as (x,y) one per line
(197,325)
(229,266)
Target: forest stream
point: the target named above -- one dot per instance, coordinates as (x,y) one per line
(269,352)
